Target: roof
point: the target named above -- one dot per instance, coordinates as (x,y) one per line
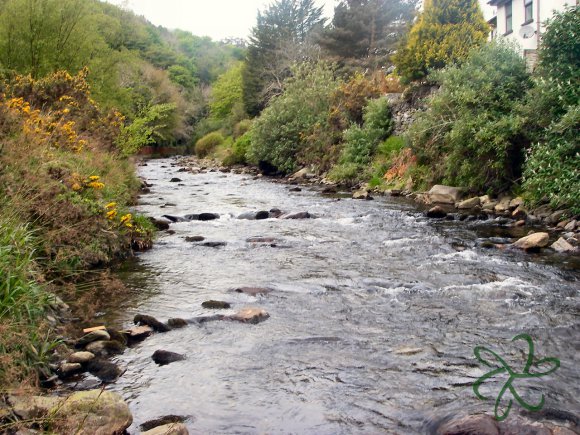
(497,2)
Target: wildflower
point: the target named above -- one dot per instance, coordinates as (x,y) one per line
(111,205)
(76,187)
(94,178)
(96,185)
(111,214)
(126,218)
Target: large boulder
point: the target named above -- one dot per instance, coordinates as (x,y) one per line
(444,194)
(533,241)
(94,412)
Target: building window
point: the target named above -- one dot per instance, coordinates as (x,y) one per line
(529,11)
(508,18)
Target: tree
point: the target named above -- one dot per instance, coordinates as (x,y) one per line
(281,37)
(364,32)
(445,32)
(227,92)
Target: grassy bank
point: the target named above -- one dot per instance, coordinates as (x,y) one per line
(65,192)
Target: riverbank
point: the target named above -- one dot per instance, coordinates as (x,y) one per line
(65,218)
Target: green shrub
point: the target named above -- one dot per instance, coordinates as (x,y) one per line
(347,172)
(552,169)
(239,150)
(471,133)
(377,117)
(283,129)
(208,143)
(360,143)
(391,145)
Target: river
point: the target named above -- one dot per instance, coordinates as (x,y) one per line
(375,312)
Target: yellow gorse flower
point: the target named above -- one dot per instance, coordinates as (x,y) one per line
(111,214)
(111,205)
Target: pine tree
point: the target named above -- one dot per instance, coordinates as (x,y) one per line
(444,33)
(281,36)
(364,33)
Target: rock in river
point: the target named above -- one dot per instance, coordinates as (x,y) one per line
(162,421)
(92,336)
(444,194)
(194,239)
(168,429)
(533,241)
(436,212)
(164,357)
(253,291)
(143,319)
(216,305)
(562,245)
(250,315)
(80,357)
(177,323)
(105,370)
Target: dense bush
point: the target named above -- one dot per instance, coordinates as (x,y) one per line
(239,150)
(471,134)
(552,168)
(282,130)
(208,143)
(360,143)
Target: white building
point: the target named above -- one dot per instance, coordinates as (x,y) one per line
(524,21)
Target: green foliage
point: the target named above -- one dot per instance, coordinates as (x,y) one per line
(471,134)
(445,33)
(208,143)
(227,92)
(148,128)
(282,130)
(552,169)
(360,143)
(391,145)
(239,150)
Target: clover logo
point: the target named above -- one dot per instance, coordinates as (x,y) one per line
(500,366)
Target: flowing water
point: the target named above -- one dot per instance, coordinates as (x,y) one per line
(375,312)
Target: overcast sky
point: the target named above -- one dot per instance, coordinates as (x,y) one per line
(216,18)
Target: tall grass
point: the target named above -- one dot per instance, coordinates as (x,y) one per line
(23,343)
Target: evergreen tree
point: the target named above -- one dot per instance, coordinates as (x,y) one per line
(445,33)
(365,32)
(281,36)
